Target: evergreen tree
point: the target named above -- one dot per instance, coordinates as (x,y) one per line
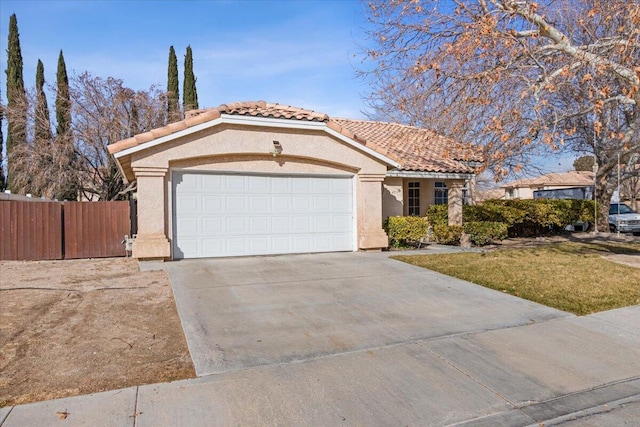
(64,139)
(173,92)
(189,93)
(63,102)
(43,129)
(16,97)
(2,183)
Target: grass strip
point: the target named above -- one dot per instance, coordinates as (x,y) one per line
(573,277)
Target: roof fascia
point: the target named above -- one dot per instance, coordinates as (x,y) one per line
(436,175)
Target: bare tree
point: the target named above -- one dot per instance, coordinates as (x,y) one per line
(42,161)
(517,76)
(105,111)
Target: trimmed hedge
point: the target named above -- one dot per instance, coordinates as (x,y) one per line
(524,218)
(483,233)
(447,234)
(405,229)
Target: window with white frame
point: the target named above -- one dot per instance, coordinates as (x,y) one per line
(441,193)
(413,199)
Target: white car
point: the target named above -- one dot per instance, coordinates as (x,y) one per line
(623,219)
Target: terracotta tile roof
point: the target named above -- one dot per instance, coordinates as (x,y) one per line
(571,178)
(494,193)
(196,117)
(276,111)
(414,148)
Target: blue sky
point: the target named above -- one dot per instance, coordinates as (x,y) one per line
(303,53)
(291,52)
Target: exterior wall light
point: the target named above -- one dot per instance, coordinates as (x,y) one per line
(277,148)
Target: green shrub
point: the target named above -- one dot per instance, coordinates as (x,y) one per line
(447,234)
(438,214)
(405,229)
(483,233)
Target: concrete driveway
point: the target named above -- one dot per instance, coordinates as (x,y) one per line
(357,339)
(246,312)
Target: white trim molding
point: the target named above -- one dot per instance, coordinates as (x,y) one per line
(435,175)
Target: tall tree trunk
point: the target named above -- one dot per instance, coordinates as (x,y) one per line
(604,191)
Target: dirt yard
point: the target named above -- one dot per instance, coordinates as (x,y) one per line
(78,327)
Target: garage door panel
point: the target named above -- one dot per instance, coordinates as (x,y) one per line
(281,203)
(301,224)
(301,186)
(190,183)
(321,203)
(280,224)
(341,223)
(259,204)
(234,203)
(235,184)
(232,215)
(212,204)
(212,225)
(259,225)
(190,203)
(188,227)
(341,204)
(258,184)
(237,245)
(211,183)
(322,242)
(280,185)
(280,243)
(236,225)
(300,203)
(212,245)
(302,243)
(322,224)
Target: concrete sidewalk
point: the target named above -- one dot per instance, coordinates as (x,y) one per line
(481,358)
(572,372)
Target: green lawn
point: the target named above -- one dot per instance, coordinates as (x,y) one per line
(568,276)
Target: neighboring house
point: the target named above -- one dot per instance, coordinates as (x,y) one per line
(524,188)
(494,193)
(255,178)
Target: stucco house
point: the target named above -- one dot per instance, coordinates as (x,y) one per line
(256,178)
(524,188)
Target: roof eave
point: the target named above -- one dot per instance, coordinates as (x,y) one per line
(262,122)
(428,174)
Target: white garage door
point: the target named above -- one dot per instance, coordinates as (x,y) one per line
(218,215)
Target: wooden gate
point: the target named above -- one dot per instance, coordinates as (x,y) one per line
(95,229)
(32,229)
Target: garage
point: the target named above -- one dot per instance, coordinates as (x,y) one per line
(217,214)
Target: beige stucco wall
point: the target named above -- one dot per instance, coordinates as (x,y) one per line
(243,148)
(392,197)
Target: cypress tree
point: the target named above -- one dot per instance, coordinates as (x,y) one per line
(67,189)
(43,130)
(16,97)
(63,102)
(189,93)
(2,183)
(173,92)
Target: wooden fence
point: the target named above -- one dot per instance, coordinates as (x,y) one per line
(43,230)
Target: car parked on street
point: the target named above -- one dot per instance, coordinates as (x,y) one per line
(623,219)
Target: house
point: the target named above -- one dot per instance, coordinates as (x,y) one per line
(524,188)
(256,178)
